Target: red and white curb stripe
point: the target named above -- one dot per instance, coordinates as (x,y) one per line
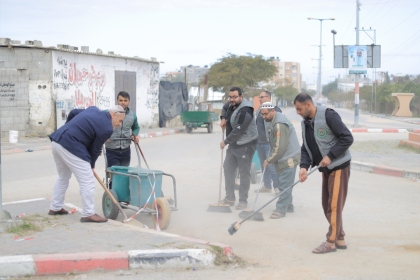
(385,170)
(55,264)
(379,130)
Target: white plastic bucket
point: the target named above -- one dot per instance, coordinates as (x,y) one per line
(13,136)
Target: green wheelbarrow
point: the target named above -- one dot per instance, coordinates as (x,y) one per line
(138,189)
(196,119)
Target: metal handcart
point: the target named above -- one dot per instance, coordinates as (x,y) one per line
(138,189)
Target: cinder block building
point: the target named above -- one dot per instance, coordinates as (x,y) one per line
(40,85)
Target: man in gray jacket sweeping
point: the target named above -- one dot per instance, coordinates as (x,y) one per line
(263,147)
(284,155)
(241,131)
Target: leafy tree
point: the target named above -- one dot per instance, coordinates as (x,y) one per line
(330,87)
(244,71)
(287,92)
(336,96)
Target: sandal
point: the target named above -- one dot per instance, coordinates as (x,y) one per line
(323,249)
(341,247)
(276,215)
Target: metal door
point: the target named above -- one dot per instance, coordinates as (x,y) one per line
(126,81)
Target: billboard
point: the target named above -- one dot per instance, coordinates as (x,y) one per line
(357,56)
(342,59)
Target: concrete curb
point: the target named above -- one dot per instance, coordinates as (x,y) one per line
(56,264)
(227,249)
(81,262)
(142,136)
(379,130)
(384,170)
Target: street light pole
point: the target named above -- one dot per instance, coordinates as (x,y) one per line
(334,33)
(356,85)
(319,80)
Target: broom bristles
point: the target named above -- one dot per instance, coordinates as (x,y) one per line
(219,208)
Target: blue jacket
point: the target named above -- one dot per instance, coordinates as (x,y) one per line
(73,113)
(85,134)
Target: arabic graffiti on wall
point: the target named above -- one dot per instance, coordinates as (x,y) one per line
(7,91)
(83,82)
(152,91)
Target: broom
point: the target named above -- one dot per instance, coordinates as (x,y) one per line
(125,220)
(219,206)
(235,226)
(258,216)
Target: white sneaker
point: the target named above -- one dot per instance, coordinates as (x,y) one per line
(276,191)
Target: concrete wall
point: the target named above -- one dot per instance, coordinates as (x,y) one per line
(33,79)
(27,69)
(90,80)
(14,102)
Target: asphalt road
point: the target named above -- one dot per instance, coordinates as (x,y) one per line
(381,217)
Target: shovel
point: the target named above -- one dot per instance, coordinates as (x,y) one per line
(126,220)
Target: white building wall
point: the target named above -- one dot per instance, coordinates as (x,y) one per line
(89,80)
(41,107)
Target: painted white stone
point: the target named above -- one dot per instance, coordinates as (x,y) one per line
(13,266)
(170,258)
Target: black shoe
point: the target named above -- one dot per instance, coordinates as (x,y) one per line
(241,205)
(59,212)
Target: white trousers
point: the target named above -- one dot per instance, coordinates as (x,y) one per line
(67,163)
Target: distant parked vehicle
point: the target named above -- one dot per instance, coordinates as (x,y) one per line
(195,119)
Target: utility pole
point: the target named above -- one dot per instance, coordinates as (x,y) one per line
(319,82)
(356,86)
(373,69)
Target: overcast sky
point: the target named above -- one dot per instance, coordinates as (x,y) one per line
(183,32)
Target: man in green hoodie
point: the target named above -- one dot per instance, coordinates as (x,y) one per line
(118,152)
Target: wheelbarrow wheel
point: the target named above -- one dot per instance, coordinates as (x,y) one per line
(108,207)
(253,173)
(188,129)
(164,211)
(210,128)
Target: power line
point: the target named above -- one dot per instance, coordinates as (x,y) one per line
(401,22)
(372,7)
(406,42)
(403,47)
(347,28)
(377,13)
(385,13)
(383,2)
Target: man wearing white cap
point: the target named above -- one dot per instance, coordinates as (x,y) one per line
(284,155)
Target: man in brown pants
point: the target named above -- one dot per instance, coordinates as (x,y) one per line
(326,143)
